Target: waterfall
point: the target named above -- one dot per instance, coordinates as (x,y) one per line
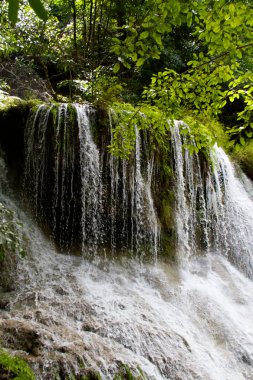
(67,315)
(91,180)
(230,208)
(214,212)
(131,201)
(86,195)
(51,170)
(190,209)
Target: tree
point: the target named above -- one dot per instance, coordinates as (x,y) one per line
(98,39)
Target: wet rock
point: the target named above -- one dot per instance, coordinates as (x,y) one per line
(4,304)
(61,291)
(8,271)
(246,359)
(20,335)
(88,373)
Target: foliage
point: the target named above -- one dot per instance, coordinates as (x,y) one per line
(10,237)
(241,87)
(12,367)
(205,131)
(142,38)
(36,5)
(3,88)
(202,131)
(127,119)
(216,73)
(89,42)
(244,157)
(102,89)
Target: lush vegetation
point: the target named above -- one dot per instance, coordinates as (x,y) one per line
(162,59)
(12,367)
(245,158)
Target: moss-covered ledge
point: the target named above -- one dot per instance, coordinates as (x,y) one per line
(13,116)
(13,247)
(13,367)
(244,157)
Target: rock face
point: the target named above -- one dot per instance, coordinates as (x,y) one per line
(88,201)
(12,247)
(72,316)
(13,116)
(79,193)
(245,159)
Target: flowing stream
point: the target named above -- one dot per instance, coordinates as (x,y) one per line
(184,321)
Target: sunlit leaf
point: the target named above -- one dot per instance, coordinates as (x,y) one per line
(116,67)
(13,11)
(39,9)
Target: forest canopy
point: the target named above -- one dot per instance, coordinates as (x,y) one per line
(172,58)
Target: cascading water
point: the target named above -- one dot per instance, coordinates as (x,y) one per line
(131,201)
(213,210)
(118,213)
(230,208)
(91,178)
(67,314)
(51,178)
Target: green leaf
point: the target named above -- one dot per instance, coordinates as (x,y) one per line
(13,11)
(116,67)
(239,53)
(140,62)
(242,141)
(39,9)
(189,19)
(134,57)
(144,35)
(157,38)
(232,8)
(226,43)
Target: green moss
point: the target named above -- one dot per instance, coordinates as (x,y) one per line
(12,367)
(166,215)
(72,116)
(125,373)
(10,237)
(10,103)
(244,157)
(90,375)
(94,376)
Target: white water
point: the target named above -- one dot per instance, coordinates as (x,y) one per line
(91,177)
(113,209)
(231,207)
(188,322)
(132,215)
(196,324)
(214,211)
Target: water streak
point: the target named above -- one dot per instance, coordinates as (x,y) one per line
(214,212)
(100,200)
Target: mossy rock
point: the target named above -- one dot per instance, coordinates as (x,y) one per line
(13,117)
(12,367)
(8,103)
(244,157)
(12,247)
(125,373)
